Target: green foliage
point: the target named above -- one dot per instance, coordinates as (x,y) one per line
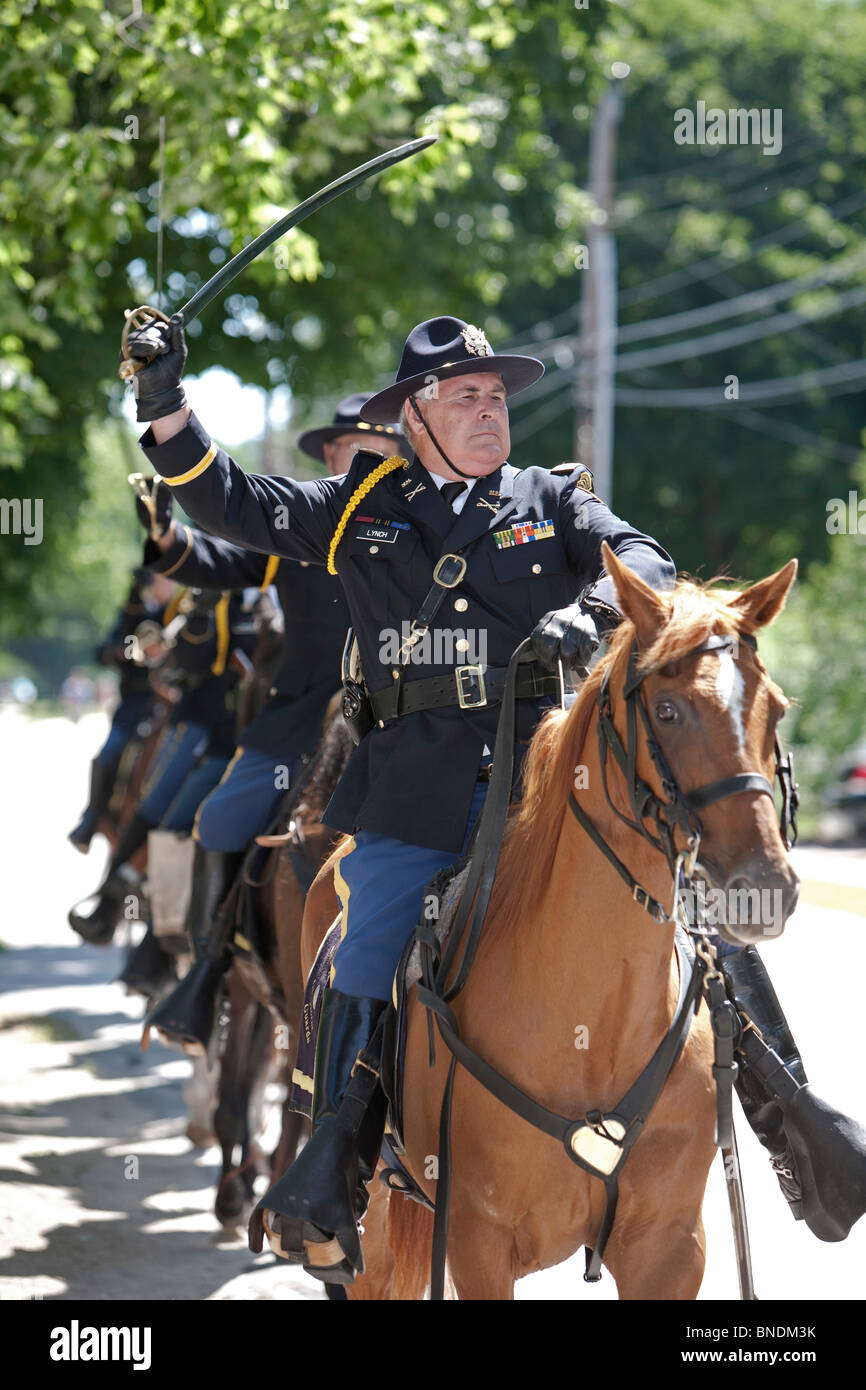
(264,105)
(817,652)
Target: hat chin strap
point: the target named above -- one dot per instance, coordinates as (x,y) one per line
(469,477)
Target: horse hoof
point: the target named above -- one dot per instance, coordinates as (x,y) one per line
(200,1137)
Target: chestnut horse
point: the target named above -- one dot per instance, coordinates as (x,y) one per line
(574,985)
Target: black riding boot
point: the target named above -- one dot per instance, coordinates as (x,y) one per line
(316,1206)
(101,783)
(187,1015)
(148,969)
(818,1154)
(98,926)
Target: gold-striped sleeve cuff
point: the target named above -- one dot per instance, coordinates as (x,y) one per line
(194,472)
(179,562)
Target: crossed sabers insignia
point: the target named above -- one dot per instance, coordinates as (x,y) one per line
(491,506)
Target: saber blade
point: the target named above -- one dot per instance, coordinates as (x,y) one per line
(146,314)
(224,277)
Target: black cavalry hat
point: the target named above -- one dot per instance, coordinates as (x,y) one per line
(445,347)
(347,420)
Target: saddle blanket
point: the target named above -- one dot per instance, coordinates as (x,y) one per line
(301,1094)
(446,889)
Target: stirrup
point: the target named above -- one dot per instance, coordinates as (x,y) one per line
(334,1259)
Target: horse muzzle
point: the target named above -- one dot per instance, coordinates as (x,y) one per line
(749,905)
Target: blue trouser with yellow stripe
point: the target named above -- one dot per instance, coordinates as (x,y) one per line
(380,884)
(181,777)
(244,803)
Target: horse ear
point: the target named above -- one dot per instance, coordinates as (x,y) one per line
(646,609)
(763,603)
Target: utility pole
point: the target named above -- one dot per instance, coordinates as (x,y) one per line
(594,385)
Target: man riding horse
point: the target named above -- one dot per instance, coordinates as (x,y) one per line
(493,552)
(147,599)
(196,750)
(282,736)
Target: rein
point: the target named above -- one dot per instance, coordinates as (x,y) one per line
(600,1142)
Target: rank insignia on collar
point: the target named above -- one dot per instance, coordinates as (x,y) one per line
(522,532)
(476,342)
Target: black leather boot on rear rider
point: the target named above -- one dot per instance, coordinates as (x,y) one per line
(149,970)
(97,927)
(817,1153)
(186,1016)
(101,783)
(315,1207)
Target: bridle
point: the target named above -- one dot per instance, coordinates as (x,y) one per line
(675,810)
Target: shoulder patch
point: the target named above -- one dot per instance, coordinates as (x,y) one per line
(584,481)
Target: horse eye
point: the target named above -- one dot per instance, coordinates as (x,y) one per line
(666,712)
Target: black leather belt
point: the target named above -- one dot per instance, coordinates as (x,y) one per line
(468,687)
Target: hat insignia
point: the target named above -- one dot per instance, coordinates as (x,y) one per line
(476,342)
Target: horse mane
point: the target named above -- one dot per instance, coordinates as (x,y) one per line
(329,760)
(695,609)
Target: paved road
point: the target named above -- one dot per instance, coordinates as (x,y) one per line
(78,1099)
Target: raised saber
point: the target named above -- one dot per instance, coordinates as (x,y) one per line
(146,314)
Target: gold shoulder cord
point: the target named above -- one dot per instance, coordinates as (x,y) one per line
(223,632)
(172,606)
(270,570)
(379,472)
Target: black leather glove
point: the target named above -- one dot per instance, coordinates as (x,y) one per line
(157,386)
(162,502)
(568,635)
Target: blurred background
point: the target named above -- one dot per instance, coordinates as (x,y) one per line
(697,298)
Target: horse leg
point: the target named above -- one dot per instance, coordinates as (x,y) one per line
(376,1283)
(666,1263)
(480,1255)
(260,1059)
(200,1095)
(230,1119)
(294,1126)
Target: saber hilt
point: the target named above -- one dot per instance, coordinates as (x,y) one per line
(135,319)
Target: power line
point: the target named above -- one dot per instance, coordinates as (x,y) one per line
(710,343)
(541,417)
(749,302)
(846,377)
(703,269)
(792,434)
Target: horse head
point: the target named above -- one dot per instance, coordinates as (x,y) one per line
(711,708)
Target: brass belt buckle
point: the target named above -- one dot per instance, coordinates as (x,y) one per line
(449,571)
(469,680)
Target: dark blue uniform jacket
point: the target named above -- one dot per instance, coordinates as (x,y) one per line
(315,617)
(414,778)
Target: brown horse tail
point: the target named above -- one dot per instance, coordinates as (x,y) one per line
(410,1236)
